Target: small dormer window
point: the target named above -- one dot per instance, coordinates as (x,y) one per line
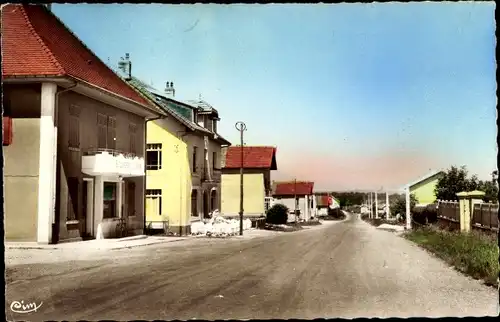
(214,126)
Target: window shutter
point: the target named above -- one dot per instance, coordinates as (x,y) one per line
(111,132)
(7,130)
(102,131)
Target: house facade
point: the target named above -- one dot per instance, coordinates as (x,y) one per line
(423,188)
(183,160)
(258,162)
(296,195)
(74,164)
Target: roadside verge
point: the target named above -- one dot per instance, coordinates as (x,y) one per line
(474,253)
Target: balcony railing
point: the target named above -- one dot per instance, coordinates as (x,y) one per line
(111,162)
(113,152)
(211,174)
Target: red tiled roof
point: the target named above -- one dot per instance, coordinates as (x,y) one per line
(293,188)
(254,157)
(36,43)
(323,201)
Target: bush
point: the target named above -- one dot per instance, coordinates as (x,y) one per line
(335,213)
(277,214)
(425,215)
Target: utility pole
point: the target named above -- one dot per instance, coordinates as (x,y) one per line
(295,200)
(371,205)
(387,211)
(240,126)
(408,208)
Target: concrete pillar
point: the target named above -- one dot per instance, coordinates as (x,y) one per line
(46,179)
(408,208)
(119,197)
(98,205)
(467,200)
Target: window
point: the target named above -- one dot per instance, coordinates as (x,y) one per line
(131,198)
(111,132)
(102,124)
(194,203)
(74,127)
(207,122)
(194,158)
(214,126)
(106,131)
(74,132)
(214,160)
(153,157)
(109,202)
(213,200)
(153,201)
(132,130)
(73,185)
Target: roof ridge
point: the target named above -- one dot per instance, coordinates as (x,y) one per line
(40,40)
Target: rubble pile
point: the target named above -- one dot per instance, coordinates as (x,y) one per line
(219,226)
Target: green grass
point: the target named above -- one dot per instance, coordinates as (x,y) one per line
(474,253)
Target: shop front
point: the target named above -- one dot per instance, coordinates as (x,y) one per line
(111,192)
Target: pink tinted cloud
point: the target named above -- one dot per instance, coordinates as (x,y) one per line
(328,171)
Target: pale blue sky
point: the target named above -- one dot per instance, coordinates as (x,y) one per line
(348,92)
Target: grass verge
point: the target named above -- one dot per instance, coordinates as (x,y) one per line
(474,253)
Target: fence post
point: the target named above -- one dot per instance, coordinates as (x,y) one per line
(464,204)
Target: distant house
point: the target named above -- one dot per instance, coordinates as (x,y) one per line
(296,194)
(423,188)
(258,162)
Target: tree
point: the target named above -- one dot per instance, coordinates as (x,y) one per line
(490,189)
(454,181)
(399,204)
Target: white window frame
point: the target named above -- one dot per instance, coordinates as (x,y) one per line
(154,147)
(155,194)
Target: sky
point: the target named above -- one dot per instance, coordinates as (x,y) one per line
(354,96)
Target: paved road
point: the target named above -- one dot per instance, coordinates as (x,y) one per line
(346,269)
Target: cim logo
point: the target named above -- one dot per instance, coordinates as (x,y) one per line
(20,307)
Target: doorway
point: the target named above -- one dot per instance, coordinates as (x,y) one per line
(88,208)
(206,204)
(194,203)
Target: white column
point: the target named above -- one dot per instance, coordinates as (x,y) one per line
(98,205)
(387,208)
(376,205)
(306,199)
(46,178)
(408,216)
(119,197)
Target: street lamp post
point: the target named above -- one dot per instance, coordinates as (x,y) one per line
(240,126)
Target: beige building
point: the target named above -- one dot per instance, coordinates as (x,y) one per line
(74,164)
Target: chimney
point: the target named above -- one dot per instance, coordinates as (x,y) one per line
(169,89)
(125,65)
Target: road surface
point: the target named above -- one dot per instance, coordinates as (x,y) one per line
(342,269)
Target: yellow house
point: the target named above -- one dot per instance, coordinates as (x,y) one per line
(258,161)
(423,188)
